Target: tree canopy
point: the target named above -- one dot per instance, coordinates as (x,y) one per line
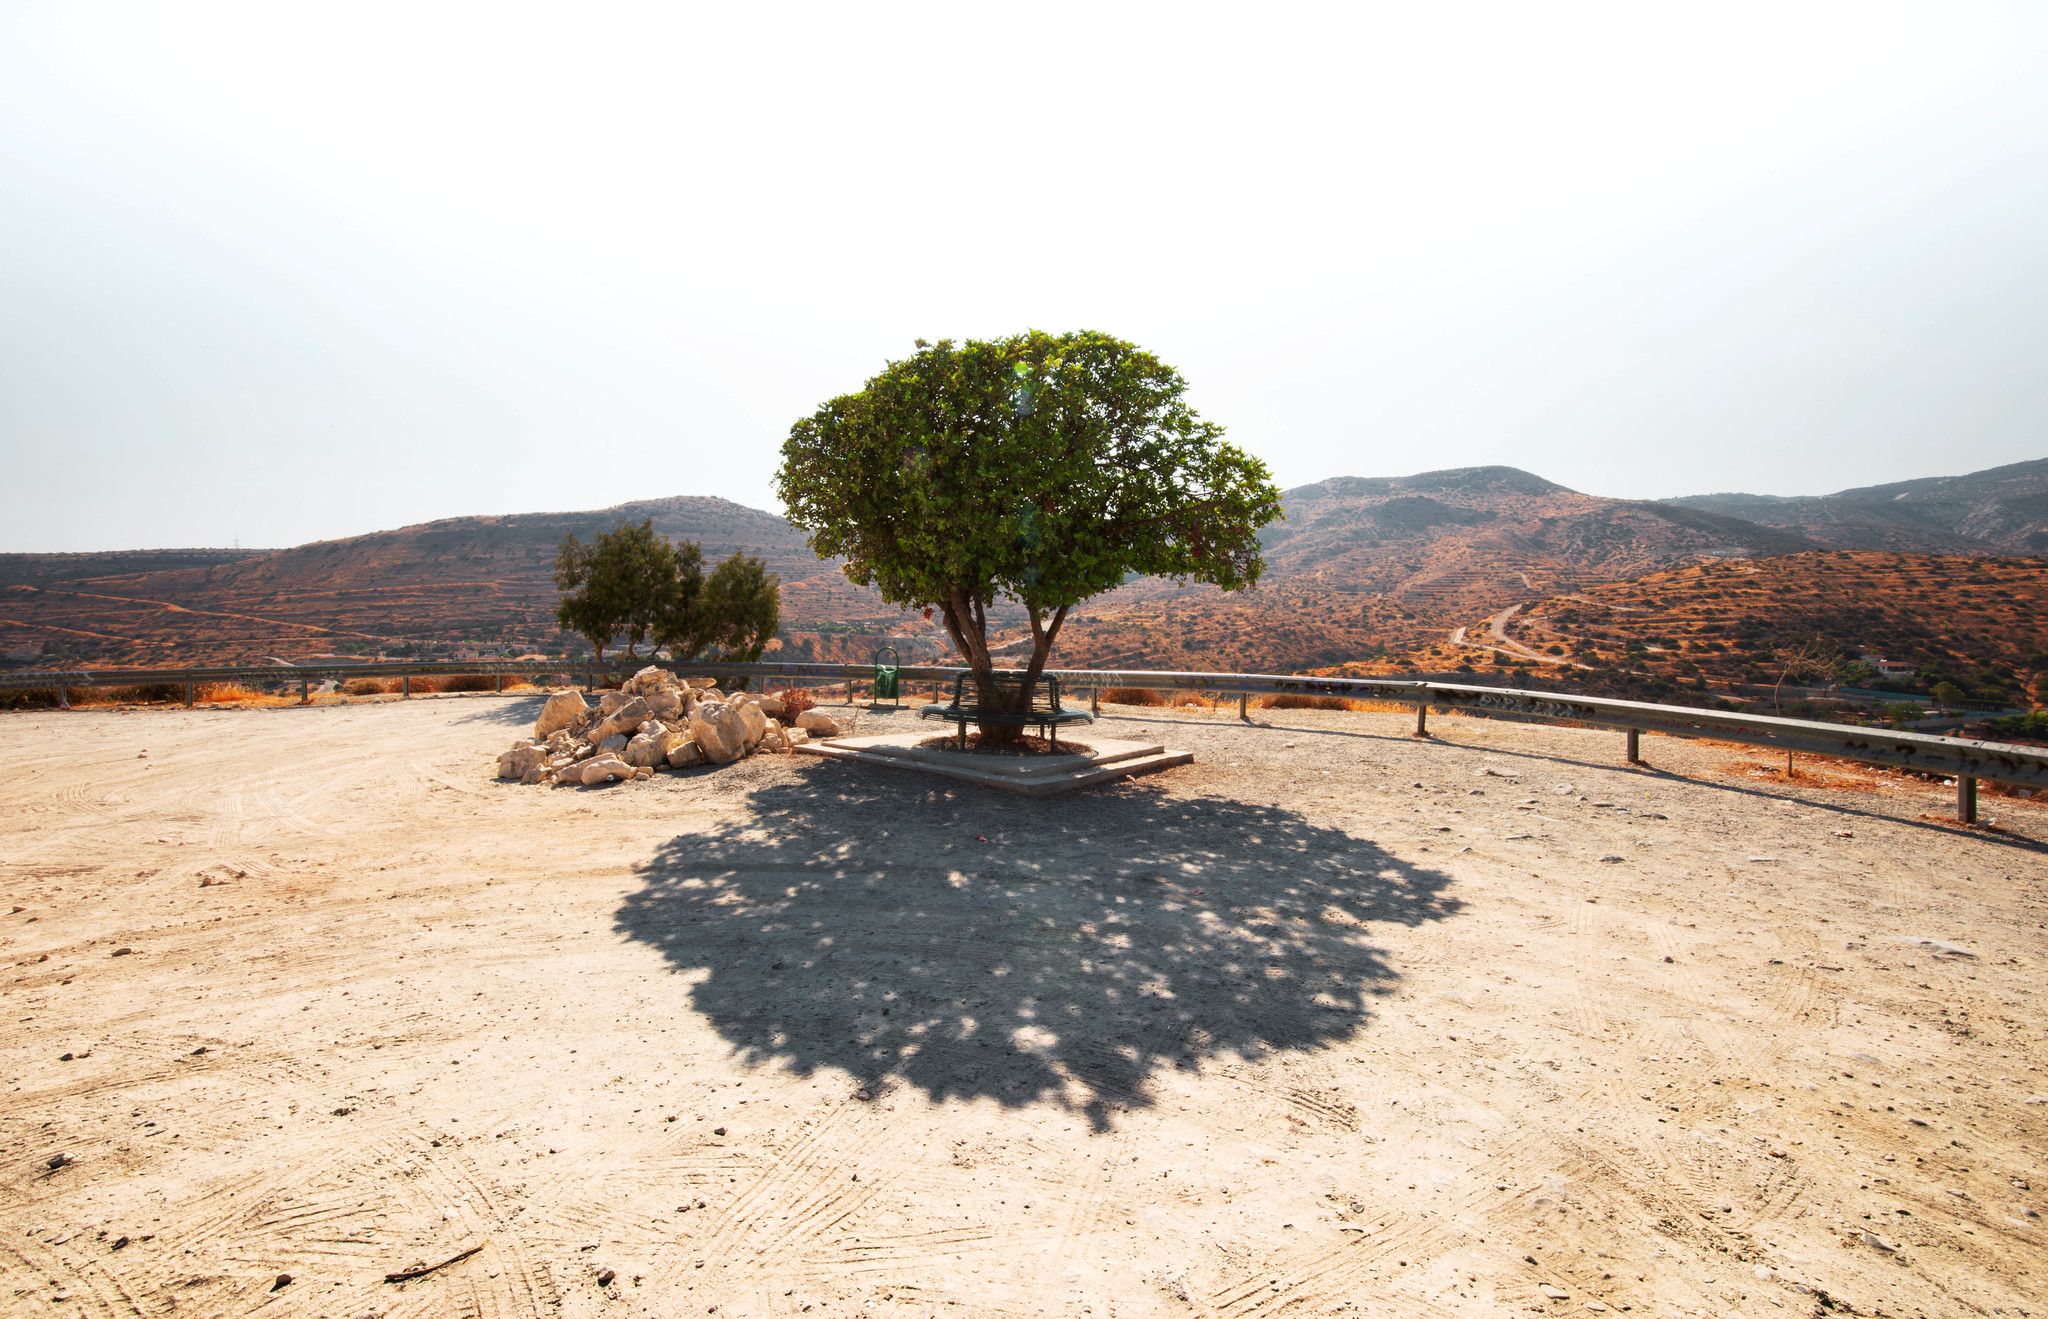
(632,582)
(1042,468)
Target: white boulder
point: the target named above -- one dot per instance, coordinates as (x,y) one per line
(818,724)
(516,763)
(669,740)
(650,679)
(626,717)
(756,722)
(720,730)
(605,769)
(560,711)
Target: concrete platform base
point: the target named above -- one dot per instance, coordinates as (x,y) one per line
(1029,776)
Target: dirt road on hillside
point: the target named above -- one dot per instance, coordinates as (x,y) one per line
(1332,1021)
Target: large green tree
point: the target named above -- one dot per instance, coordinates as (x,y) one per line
(735,610)
(634,582)
(1042,468)
(619,583)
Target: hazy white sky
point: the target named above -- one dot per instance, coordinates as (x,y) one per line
(288,272)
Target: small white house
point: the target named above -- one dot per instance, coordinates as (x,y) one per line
(1887,668)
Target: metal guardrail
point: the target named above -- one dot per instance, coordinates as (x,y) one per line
(1963,759)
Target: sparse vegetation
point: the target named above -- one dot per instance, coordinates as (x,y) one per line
(1295,701)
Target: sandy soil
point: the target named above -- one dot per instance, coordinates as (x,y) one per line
(1331,1021)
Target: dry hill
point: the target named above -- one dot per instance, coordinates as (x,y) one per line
(1361,570)
(2003,510)
(1718,626)
(476,580)
(1363,567)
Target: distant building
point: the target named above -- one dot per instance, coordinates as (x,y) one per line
(1888,668)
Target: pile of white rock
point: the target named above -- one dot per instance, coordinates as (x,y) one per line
(654,721)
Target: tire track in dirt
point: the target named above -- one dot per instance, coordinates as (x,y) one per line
(104,1291)
(817,1185)
(1740,1047)
(1087,1200)
(1321,1280)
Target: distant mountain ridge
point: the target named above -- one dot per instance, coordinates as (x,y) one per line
(2002,510)
(484,578)
(1365,563)
(1360,564)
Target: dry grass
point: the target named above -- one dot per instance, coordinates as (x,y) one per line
(455,682)
(429,685)
(234,693)
(1131,696)
(155,693)
(1295,701)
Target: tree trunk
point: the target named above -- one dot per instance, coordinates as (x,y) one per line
(967,624)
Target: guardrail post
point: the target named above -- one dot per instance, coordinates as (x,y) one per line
(1094,700)
(1635,746)
(405,688)
(501,684)
(63,699)
(1966,799)
(1422,712)
(191,694)
(305,691)
(1244,706)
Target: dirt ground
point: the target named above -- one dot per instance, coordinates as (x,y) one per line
(1332,1021)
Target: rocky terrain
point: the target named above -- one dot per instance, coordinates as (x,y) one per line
(655,721)
(312,1015)
(1375,568)
(1697,633)
(1363,572)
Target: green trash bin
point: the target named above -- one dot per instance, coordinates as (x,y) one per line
(885,676)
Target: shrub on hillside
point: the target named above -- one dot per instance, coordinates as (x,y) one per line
(1296,701)
(454,682)
(370,686)
(2033,726)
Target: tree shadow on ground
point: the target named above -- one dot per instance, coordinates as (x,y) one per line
(510,710)
(977,945)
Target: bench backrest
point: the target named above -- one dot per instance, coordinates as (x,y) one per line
(1045,693)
